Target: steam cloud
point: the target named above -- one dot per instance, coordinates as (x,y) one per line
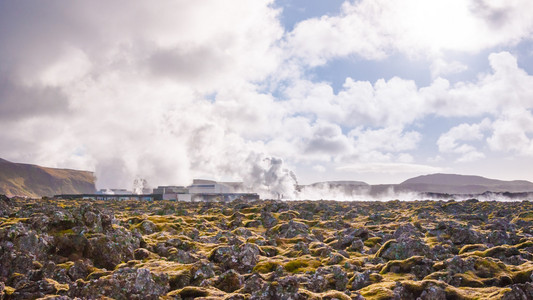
(219,90)
(270,178)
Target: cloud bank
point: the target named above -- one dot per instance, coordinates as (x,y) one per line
(170,91)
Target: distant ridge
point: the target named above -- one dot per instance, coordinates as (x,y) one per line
(465,184)
(452,184)
(34,181)
(455,179)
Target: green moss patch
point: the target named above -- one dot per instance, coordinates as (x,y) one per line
(301,265)
(266,266)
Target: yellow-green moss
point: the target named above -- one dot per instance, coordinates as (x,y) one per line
(9,290)
(269,250)
(371,242)
(296,264)
(523,273)
(470,293)
(378,291)
(293,240)
(301,265)
(402,266)
(12,221)
(487,267)
(524,245)
(436,275)
(66,232)
(288,215)
(330,295)
(58,286)
(384,247)
(266,266)
(469,279)
(191,292)
(393,277)
(251,210)
(472,247)
(66,265)
(431,240)
(526,216)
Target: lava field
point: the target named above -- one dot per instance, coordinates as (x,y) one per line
(63,249)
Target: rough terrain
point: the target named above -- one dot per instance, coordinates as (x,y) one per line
(58,249)
(34,181)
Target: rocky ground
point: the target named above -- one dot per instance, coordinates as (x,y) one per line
(58,249)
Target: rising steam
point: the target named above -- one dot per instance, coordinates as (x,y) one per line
(268,177)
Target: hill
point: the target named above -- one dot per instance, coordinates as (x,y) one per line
(463,184)
(35,181)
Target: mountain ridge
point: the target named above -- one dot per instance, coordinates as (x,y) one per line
(443,183)
(34,181)
(459,179)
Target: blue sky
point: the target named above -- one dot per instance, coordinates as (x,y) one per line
(268,91)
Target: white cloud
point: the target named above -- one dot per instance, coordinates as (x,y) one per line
(359,103)
(327,138)
(449,141)
(512,133)
(72,65)
(127,86)
(440,67)
(389,139)
(374,29)
(378,113)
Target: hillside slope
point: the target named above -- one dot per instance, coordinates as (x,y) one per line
(36,181)
(453,183)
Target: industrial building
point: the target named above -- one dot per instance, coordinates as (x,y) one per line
(199,191)
(202,190)
(171,192)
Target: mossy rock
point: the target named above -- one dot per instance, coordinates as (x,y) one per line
(269,251)
(473,247)
(66,265)
(378,291)
(98,274)
(266,267)
(295,265)
(371,242)
(301,265)
(335,295)
(179,279)
(288,215)
(523,274)
(8,290)
(468,279)
(384,247)
(525,216)
(403,266)
(191,292)
(439,275)
(489,268)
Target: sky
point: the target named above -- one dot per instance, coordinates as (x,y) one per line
(268,92)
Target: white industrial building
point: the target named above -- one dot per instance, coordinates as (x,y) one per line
(172,192)
(201,186)
(201,190)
